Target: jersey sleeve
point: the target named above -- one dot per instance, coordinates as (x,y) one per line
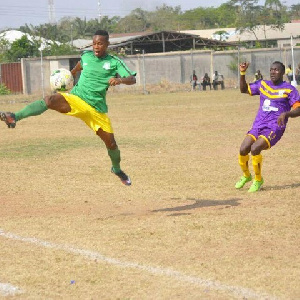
(123,70)
(294,98)
(253,88)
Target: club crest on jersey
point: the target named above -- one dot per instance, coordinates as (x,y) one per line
(106,66)
(281,93)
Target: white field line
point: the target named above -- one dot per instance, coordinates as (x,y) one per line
(237,291)
(6,289)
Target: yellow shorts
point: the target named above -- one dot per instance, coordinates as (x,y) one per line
(92,118)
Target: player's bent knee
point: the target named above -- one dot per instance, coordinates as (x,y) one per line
(52,101)
(244,151)
(256,149)
(57,102)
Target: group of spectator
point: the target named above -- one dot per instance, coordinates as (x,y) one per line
(217,79)
(289,73)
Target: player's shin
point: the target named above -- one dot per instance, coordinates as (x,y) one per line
(243,162)
(115,158)
(257,164)
(33,109)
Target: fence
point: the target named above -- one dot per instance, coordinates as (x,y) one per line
(175,67)
(11,77)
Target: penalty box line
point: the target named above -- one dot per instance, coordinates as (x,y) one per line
(237,291)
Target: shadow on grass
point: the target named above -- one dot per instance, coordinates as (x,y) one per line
(199,204)
(282,187)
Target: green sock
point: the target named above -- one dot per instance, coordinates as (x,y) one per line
(115,158)
(33,109)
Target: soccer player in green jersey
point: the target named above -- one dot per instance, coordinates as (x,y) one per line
(87,99)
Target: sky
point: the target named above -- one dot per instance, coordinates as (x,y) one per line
(15,13)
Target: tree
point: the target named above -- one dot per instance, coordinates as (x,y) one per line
(222,35)
(294,12)
(4,46)
(21,48)
(137,20)
(251,16)
(247,12)
(59,49)
(165,18)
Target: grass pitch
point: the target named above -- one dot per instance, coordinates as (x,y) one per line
(182,215)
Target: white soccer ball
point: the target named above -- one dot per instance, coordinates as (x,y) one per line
(61,80)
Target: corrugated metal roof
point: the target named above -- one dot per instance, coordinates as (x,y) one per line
(260,33)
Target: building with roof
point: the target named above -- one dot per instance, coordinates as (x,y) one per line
(13,35)
(156,42)
(262,34)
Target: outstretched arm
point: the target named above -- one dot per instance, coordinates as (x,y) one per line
(122,80)
(243,84)
(282,119)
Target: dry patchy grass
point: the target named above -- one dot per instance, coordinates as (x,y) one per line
(181,213)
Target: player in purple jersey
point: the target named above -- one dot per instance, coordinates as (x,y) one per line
(279,100)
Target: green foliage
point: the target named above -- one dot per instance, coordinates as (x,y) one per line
(4,90)
(136,21)
(221,34)
(23,48)
(234,63)
(245,15)
(20,48)
(62,49)
(250,15)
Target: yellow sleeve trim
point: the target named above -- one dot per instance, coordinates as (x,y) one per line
(249,90)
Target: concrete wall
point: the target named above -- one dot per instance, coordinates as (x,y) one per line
(174,67)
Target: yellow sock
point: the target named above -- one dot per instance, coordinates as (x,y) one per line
(257,164)
(243,161)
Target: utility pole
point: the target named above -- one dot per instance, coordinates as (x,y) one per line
(51,12)
(99,12)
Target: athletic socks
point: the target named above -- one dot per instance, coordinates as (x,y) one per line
(243,161)
(257,164)
(115,158)
(33,109)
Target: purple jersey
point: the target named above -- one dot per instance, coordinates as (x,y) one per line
(274,100)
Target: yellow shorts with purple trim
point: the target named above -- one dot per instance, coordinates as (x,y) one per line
(89,115)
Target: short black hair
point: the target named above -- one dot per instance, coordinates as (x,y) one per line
(280,63)
(103,33)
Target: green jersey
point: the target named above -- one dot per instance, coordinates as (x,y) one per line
(93,82)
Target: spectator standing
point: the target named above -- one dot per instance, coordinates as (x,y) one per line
(194,80)
(289,73)
(258,76)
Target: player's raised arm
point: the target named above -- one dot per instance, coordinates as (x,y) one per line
(243,84)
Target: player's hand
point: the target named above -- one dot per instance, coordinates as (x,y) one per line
(114,81)
(244,66)
(282,119)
